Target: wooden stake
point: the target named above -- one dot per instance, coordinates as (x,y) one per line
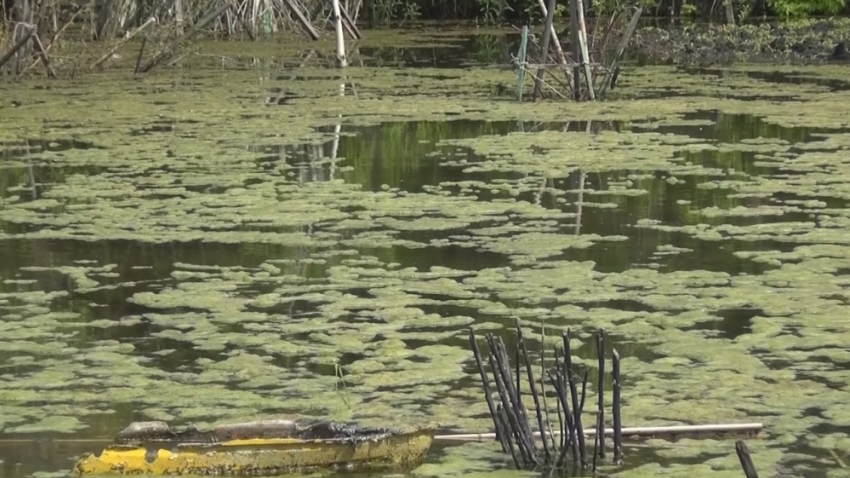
(504,384)
(618,425)
(522,48)
(340,39)
(560,52)
(600,352)
(577,406)
(533,387)
(485,381)
(574,43)
(547,34)
(585,56)
(141,53)
(746,460)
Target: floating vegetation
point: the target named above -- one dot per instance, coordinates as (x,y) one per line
(244,255)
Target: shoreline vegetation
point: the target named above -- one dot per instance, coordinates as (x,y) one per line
(69,38)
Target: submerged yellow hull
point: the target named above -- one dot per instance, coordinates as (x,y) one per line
(259,455)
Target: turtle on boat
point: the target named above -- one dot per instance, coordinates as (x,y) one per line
(262,447)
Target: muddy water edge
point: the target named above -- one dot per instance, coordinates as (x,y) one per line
(213,242)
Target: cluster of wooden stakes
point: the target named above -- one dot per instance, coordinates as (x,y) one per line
(599,77)
(553,449)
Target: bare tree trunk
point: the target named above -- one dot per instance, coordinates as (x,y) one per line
(178,13)
(730,12)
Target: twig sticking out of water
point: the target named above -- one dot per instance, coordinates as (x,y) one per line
(577,406)
(517,419)
(141,54)
(600,422)
(533,391)
(746,460)
(511,418)
(618,426)
(487,394)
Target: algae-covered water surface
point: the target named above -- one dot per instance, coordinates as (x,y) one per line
(219,242)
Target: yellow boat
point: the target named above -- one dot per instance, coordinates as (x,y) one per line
(264,447)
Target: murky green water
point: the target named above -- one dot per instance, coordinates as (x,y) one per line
(208,244)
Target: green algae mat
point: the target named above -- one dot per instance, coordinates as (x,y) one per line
(217,243)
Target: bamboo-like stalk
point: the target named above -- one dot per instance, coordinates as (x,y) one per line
(585,56)
(533,387)
(548,30)
(618,425)
(484,380)
(574,43)
(577,406)
(600,394)
(521,75)
(674,431)
(512,425)
(340,38)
